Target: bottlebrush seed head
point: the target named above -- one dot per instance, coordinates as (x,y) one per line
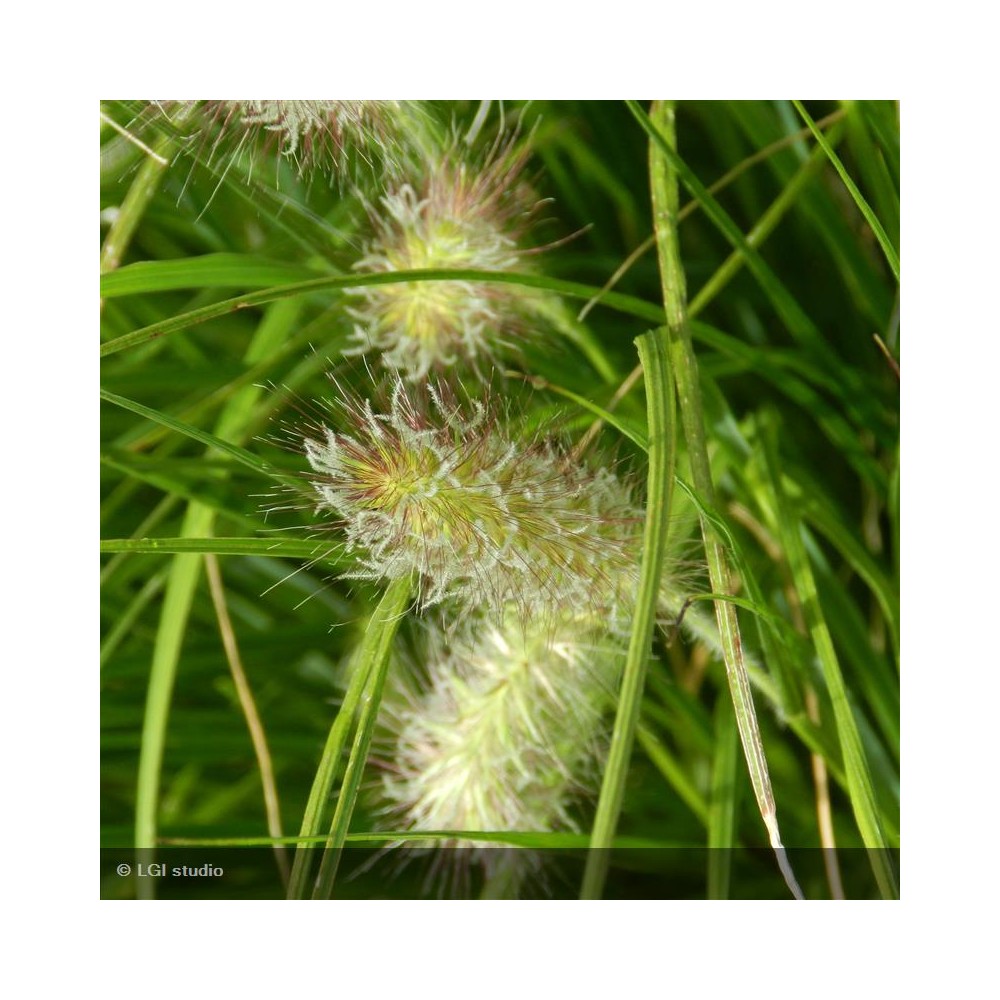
(459,215)
(340,137)
(441,491)
(507,733)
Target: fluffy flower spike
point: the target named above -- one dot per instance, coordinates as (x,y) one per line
(340,138)
(459,216)
(507,734)
(441,491)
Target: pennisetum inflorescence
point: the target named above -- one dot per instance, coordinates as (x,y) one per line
(505,733)
(454,215)
(530,556)
(505,574)
(442,490)
(342,142)
(527,554)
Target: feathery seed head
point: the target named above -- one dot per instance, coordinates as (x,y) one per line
(443,492)
(458,216)
(506,734)
(340,137)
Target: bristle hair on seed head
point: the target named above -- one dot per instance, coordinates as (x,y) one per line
(455,215)
(438,489)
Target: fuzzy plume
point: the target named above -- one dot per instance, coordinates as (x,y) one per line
(506,734)
(442,492)
(458,215)
(341,139)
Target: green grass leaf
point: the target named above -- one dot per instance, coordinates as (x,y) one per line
(877,228)
(217,270)
(659,483)
(612,300)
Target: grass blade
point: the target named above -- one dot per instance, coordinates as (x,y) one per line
(880,234)
(859,779)
(791,313)
(722,801)
(285,548)
(249,706)
(181,583)
(573,289)
(660,402)
(241,455)
(372,665)
(663,172)
(146,182)
(216,270)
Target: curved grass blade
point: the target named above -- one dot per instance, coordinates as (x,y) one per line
(241,455)
(573,289)
(885,243)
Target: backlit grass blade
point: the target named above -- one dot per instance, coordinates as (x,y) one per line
(370,667)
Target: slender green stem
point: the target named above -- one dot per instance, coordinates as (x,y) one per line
(310,831)
(685,367)
(662,438)
(722,801)
(248,704)
(369,672)
(133,207)
(373,662)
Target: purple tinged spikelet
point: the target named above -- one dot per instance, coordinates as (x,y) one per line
(338,139)
(458,216)
(443,493)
